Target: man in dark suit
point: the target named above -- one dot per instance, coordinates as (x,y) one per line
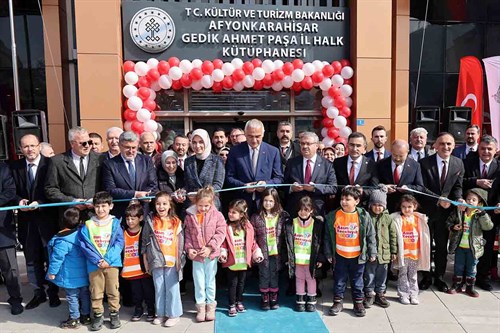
(112,136)
(129,175)
(471,138)
(418,144)
(287,147)
(355,168)
(398,171)
(40,224)
(74,175)
(309,168)
(251,163)
(379,138)
(482,170)
(443,175)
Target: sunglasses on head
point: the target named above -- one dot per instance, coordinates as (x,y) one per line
(85,143)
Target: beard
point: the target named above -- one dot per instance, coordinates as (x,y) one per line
(378,145)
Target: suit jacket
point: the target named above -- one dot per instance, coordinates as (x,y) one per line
(41,222)
(473,173)
(116,180)
(426,152)
(371,154)
(7,198)
(367,175)
(292,151)
(323,173)
(411,176)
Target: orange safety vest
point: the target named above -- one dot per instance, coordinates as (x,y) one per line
(411,241)
(346,227)
(166,235)
(131,259)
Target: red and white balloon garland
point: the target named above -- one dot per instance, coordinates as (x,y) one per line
(144,79)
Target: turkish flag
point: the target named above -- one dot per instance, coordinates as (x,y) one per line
(470,88)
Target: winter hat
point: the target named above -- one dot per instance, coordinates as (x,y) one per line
(482,194)
(378,197)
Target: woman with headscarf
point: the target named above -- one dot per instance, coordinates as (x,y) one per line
(203,168)
(171,180)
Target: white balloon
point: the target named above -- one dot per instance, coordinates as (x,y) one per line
(327,101)
(347,72)
(332,112)
(207,82)
(318,65)
(141,68)
(150,126)
(160,128)
(345,132)
(143,115)
(287,82)
(324,93)
(129,90)
(186,66)
(324,132)
(308,69)
(268,66)
(346,90)
(152,63)
(155,86)
(298,75)
(152,94)
(237,63)
(134,103)
(238,86)
(165,82)
(156,135)
(218,75)
(131,78)
(196,85)
(196,63)
(340,122)
(248,81)
(227,68)
(175,73)
(337,81)
(348,102)
(127,126)
(325,84)
(278,64)
(327,141)
(258,73)
(277,86)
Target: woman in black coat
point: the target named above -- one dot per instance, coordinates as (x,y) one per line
(171,180)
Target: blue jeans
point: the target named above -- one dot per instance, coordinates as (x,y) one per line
(167,292)
(374,277)
(465,262)
(78,298)
(204,280)
(348,269)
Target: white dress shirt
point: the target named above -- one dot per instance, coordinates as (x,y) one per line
(481,166)
(400,168)
(439,161)
(126,163)
(357,166)
(76,162)
(312,163)
(35,165)
(414,153)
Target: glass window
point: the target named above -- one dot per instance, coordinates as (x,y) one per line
(493,11)
(433,52)
(450,89)
(170,100)
(171,128)
(310,124)
(492,47)
(463,40)
(430,89)
(308,100)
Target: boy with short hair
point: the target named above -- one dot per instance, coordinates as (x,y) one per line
(349,243)
(101,239)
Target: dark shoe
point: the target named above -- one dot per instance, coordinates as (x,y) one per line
(359,309)
(381,301)
(319,294)
(311,304)
(441,285)
(115,320)
(16,308)
(273,301)
(36,301)
(85,320)
(97,322)
(71,323)
(240,307)
(469,287)
(264,301)
(300,304)
(232,312)
(151,315)
(424,284)
(337,307)
(138,312)
(485,285)
(457,285)
(368,301)
(54,301)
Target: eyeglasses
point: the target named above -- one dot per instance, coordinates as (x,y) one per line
(85,143)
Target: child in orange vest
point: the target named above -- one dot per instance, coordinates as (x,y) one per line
(141,283)
(413,248)
(237,253)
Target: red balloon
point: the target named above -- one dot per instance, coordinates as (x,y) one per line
(207,67)
(343,140)
(238,75)
(227,82)
(268,80)
(307,83)
(153,115)
(297,87)
(137,126)
(256,62)
(339,102)
(196,74)
(287,68)
(163,67)
(176,85)
(143,82)
(345,62)
(186,80)
(217,87)
(173,61)
(337,66)
(345,111)
(143,93)
(348,82)
(323,112)
(328,70)
(317,77)
(297,63)
(327,122)
(130,115)
(334,92)
(128,66)
(258,85)
(125,104)
(248,68)
(218,63)
(333,132)
(278,75)
(153,75)
(149,104)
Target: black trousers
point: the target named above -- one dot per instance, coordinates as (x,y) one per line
(236,281)
(143,290)
(439,233)
(10,272)
(488,259)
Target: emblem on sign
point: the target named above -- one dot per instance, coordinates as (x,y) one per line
(152,30)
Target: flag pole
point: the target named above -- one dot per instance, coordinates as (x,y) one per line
(14,57)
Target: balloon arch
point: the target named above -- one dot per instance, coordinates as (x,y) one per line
(144,79)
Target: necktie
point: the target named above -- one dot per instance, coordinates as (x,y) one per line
(484,174)
(180,163)
(308,173)
(352,172)
(283,151)
(396,176)
(31,176)
(471,150)
(443,174)
(418,156)
(82,168)
(131,172)
(379,156)
(255,157)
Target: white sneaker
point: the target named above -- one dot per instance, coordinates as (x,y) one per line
(171,322)
(414,300)
(404,300)
(158,320)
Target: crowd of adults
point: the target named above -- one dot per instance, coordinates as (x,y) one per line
(132,168)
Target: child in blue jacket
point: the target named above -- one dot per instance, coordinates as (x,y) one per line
(68,269)
(101,239)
